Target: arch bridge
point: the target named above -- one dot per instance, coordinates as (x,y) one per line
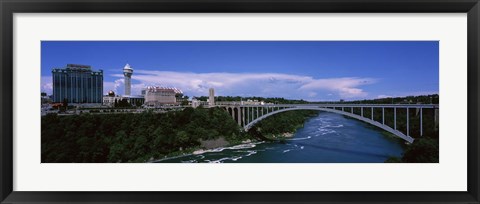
(248,115)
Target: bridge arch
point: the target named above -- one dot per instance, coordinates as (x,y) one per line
(358,117)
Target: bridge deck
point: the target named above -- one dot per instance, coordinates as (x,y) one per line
(339,105)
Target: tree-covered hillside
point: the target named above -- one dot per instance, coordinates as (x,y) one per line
(285,122)
(132,137)
(140,137)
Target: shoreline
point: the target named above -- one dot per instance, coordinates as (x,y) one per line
(199,150)
(211,145)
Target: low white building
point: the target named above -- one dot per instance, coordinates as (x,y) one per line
(196,103)
(159,96)
(109,100)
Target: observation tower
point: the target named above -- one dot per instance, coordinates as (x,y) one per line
(127,72)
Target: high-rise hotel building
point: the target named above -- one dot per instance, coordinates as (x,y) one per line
(77,84)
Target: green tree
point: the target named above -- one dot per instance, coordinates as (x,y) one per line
(117,149)
(65,104)
(422,150)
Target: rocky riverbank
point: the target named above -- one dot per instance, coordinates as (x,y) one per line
(211,144)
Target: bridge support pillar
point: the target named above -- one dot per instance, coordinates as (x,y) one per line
(361,111)
(421,122)
(252,114)
(239,118)
(395,118)
(243,116)
(408,115)
(383,115)
(371,112)
(246,120)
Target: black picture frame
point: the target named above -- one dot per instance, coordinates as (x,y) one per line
(9,7)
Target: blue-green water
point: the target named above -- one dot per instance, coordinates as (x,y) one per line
(326,138)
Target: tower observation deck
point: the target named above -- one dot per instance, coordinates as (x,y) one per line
(127,72)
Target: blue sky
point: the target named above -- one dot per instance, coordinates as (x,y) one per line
(309,70)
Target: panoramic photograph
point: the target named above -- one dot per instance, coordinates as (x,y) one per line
(239,101)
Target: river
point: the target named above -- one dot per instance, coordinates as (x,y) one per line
(326,138)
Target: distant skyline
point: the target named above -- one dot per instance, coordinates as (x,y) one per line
(309,70)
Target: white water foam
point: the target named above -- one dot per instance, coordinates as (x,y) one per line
(190,161)
(301,138)
(250,153)
(220,149)
(234,158)
(168,158)
(335,126)
(223,159)
(287,150)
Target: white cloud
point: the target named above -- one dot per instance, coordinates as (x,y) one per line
(417,93)
(384,96)
(46,84)
(251,84)
(345,87)
(109,86)
(312,94)
(137,88)
(240,84)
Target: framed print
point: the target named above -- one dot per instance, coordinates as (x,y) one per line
(239,101)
